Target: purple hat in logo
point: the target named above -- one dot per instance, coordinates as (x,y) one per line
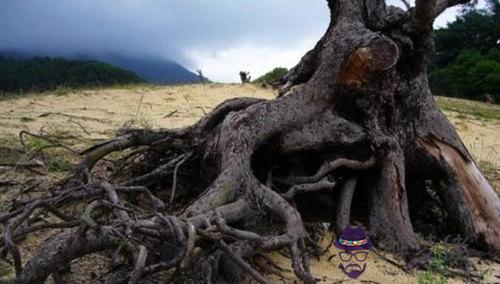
(352,239)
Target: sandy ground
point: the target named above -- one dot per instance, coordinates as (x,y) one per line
(96,114)
(380,268)
(481,137)
(91,115)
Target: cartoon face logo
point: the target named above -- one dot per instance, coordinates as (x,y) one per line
(354,247)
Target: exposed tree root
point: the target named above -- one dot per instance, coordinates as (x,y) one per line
(129,213)
(344,208)
(198,202)
(113,219)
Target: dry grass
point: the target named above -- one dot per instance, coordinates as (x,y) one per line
(479,126)
(479,110)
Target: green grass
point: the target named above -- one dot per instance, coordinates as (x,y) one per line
(35,144)
(271,76)
(60,164)
(486,166)
(26,119)
(6,272)
(430,277)
(141,120)
(490,171)
(472,108)
(62,90)
(9,156)
(437,270)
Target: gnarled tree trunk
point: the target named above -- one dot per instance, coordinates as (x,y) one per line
(361,124)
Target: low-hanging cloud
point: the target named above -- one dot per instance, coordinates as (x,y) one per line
(221,37)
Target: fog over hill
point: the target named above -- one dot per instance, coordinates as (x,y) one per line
(219,37)
(160,71)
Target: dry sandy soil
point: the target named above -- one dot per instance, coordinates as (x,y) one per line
(81,118)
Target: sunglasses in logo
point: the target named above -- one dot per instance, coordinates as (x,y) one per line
(358,255)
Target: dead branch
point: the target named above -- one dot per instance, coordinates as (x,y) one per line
(95,153)
(139,265)
(170,114)
(46,114)
(13,250)
(174,181)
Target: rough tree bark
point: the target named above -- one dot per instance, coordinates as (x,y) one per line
(362,119)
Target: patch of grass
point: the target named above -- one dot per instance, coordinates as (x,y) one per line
(144,122)
(491,173)
(26,119)
(272,76)
(6,273)
(483,272)
(438,264)
(35,144)
(60,164)
(430,277)
(472,108)
(11,95)
(62,91)
(139,121)
(486,166)
(9,156)
(437,270)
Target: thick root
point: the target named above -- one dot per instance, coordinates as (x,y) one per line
(158,220)
(470,198)
(389,215)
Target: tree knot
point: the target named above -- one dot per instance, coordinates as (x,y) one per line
(358,70)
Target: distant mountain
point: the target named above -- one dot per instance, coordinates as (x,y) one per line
(160,71)
(41,74)
(155,71)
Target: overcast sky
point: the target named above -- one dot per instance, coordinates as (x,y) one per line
(220,37)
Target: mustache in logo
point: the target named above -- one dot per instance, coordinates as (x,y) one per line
(355,270)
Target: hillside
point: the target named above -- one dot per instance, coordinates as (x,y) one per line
(154,70)
(159,71)
(467,62)
(40,74)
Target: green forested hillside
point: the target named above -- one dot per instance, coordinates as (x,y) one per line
(467,61)
(272,76)
(41,74)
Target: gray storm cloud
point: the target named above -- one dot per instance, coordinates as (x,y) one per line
(161,29)
(219,36)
